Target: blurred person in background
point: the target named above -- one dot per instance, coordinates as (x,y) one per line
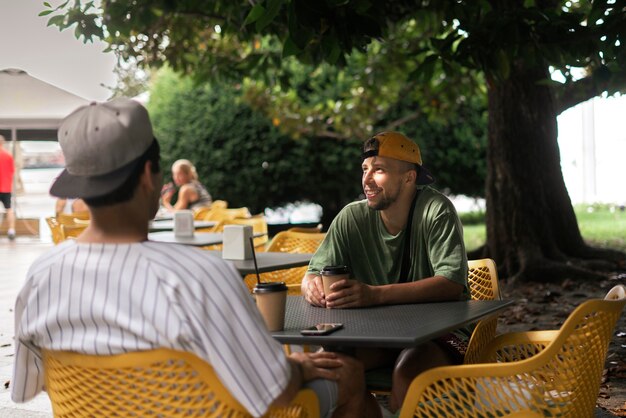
(191,193)
(70,206)
(7,169)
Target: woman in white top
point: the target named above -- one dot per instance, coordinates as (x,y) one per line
(191,194)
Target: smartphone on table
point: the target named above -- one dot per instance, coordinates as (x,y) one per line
(321,329)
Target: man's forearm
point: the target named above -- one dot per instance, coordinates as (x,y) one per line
(432,289)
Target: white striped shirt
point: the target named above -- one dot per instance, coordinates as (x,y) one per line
(114,298)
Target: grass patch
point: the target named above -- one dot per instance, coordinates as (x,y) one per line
(600,225)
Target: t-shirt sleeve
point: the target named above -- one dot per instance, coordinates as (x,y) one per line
(446,247)
(28,377)
(334,248)
(229,332)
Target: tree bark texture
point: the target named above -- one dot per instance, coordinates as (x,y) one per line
(532,231)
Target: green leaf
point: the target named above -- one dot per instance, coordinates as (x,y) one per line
(57,21)
(254,15)
(45,3)
(273,7)
(424,72)
(45,13)
(290,48)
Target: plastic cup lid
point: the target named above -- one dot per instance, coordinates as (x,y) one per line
(270,287)
(334,270)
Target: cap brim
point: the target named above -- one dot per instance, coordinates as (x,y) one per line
(424,177)
(70,186)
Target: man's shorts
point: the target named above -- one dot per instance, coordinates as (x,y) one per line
(327,392)
(454,344)
(5,198)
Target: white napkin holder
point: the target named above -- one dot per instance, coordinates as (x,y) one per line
(183,224)
(236,242)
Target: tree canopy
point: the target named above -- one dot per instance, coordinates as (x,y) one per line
(510,45)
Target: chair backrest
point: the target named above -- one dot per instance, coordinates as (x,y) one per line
(313,230)
(72,231)
(55,229)
(289,242)
(257,222)
(160,382)
(209,213)
(70,218)
(221,214)
(259,226)
(482,279)
(296,242)
(561,380)
(616,293)
(219,204)
(201,213)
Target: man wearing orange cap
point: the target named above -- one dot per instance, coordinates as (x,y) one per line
(402,244)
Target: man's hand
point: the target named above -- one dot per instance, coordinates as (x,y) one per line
(351,294)
(167,191)
(313,290)
(323,365)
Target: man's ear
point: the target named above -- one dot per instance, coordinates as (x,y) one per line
(411,176)
(146,179)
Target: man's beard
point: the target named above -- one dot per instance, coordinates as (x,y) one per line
(383,203)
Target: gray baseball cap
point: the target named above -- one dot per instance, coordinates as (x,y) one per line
(102,144)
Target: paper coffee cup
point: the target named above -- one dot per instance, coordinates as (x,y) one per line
(332,274)
(271,299)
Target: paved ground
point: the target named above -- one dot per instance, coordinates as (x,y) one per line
(16,257)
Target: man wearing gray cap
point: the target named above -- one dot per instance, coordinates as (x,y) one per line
(111,291)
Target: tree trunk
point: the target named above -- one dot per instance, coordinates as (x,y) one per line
(532,231)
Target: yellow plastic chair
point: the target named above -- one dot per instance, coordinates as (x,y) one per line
(258,224)
(206,213)
(560,380)
(219,204)
(482,280)
(72,231)
(222,214)
(161,382)
(55,229)
(313,230)
(70,218)
(289,242)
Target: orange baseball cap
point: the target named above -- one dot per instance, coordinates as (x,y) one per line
(397,146)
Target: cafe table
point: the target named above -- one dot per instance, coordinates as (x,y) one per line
(168,225)
(268,261)
(199,239)
(393,326)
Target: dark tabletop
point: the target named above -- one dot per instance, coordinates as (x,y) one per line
(398,326)
(269,261)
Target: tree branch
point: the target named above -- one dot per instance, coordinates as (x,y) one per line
(577,92)
(399,122)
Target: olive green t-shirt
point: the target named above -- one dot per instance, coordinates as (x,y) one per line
(358,239)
